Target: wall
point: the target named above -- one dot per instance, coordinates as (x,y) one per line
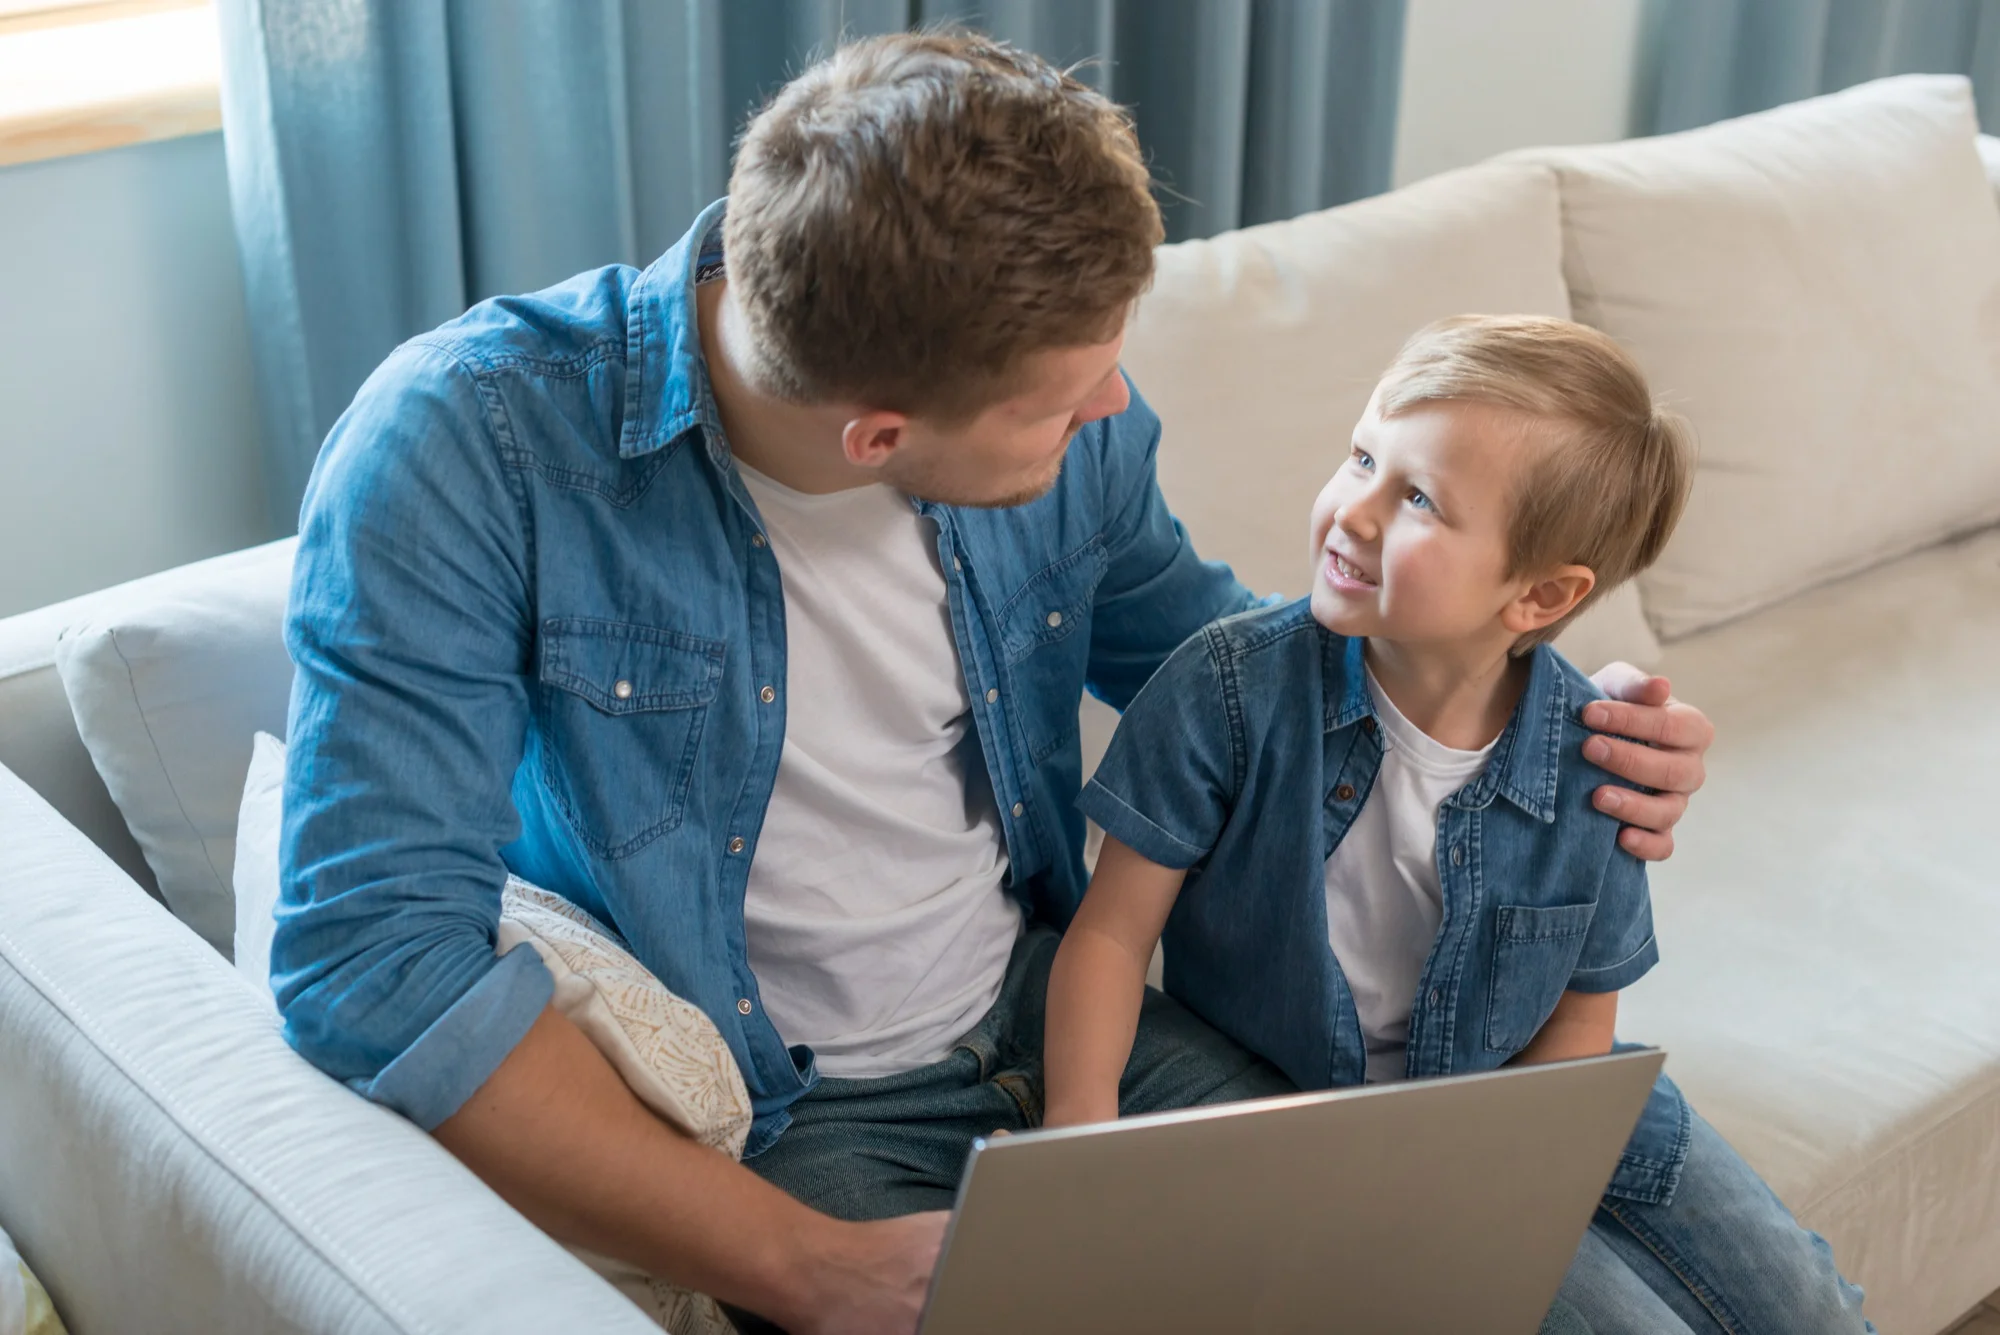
(1482,76)
(128,417)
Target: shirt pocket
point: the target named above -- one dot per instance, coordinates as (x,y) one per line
(626,706)
(1534,956)
(1045,640)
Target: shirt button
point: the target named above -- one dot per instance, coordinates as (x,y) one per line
(757,540)
(1344,793)
(1436,999)
(743,1006)
(768,694)
(991,696)
(1368,725)
(955,565)
(1458,855)
(736,844)
(1019,809)
(623,690)
(1054,618)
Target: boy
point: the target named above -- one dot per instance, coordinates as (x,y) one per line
(1362,820)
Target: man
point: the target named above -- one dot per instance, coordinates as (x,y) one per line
(747,601)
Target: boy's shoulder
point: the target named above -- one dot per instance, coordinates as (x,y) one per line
(1264,628)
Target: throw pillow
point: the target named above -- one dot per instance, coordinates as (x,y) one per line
(1818,289)
(25,1308)
(167,693)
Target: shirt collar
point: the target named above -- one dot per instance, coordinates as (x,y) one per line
(667,389)
(1526,760)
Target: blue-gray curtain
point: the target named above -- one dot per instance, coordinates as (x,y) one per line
(1711,59)
(393,161)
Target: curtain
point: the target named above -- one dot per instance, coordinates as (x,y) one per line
(393,161)
(1711,59)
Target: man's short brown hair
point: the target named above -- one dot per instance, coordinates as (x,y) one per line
(1614,466)
(912,216)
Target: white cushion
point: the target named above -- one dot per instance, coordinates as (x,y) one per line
(254,873)
(1818,288)
(168,693)
(172,1167)
(1989,153)
(1829,923)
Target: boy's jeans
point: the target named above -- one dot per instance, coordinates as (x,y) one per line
(871,1149)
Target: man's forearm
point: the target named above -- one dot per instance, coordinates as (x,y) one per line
(558,1134)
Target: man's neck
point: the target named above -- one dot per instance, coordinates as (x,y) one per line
(1460,695)
(792,444)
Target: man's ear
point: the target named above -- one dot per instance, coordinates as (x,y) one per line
(872,439)
(1549,599)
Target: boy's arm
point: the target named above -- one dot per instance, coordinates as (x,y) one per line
(1099,982)
(1580,1026)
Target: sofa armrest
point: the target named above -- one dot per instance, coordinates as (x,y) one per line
(1989,153)
(168,1164)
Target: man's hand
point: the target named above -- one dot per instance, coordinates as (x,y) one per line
(877,1278)
(1669,740)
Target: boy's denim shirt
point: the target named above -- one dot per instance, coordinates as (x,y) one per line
(1246,759)
(538,628)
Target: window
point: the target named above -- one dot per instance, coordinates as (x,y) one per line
(81,75)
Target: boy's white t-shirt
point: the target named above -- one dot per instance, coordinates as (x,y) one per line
(877,922)
(1384,899)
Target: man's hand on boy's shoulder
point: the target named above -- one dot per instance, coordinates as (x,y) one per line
(1667,742)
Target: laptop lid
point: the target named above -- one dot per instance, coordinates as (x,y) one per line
(1446,1206)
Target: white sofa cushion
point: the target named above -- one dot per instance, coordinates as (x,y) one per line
(173,1167)
(1259,349)
(1989,153)
(168,693)
(1828,992)
(1818,288)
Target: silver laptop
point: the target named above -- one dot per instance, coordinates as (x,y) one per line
(1448,1206)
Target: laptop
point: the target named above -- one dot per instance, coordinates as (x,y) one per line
(1451,1206)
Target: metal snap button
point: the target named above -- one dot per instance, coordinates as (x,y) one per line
(1344,793)
(1019,809)
(757,540)
(1054,618)
(743,1006)
(955,565)
(1458,855)
(1436,998)
(623,690)
(1368,725)
(736,844)
(991,696)
(768,694)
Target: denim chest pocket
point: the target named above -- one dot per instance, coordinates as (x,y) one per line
(626,706)
(1534,956)
(1045,639)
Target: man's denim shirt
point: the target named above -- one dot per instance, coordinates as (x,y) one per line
(1246,759)
(534,616)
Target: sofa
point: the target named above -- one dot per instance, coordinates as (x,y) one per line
(1818,288)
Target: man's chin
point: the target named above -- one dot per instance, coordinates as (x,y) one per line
(970,500)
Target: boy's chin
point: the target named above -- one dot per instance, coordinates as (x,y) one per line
(1341,616)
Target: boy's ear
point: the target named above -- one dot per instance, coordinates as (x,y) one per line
(1549,599)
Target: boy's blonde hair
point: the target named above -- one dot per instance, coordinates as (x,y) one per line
(1615,466)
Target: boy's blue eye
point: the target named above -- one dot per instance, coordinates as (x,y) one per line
(1365,459)
(1421,501)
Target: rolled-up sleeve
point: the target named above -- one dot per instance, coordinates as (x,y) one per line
(1620,947)
(1169,780)
(410,628)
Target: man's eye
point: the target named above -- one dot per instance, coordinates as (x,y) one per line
(1421,501)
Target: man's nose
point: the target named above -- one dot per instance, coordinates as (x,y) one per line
(1115,398)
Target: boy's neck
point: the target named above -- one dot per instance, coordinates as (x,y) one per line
(1459,695)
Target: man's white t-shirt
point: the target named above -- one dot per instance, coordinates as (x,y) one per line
(1383,897)
(877,924)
